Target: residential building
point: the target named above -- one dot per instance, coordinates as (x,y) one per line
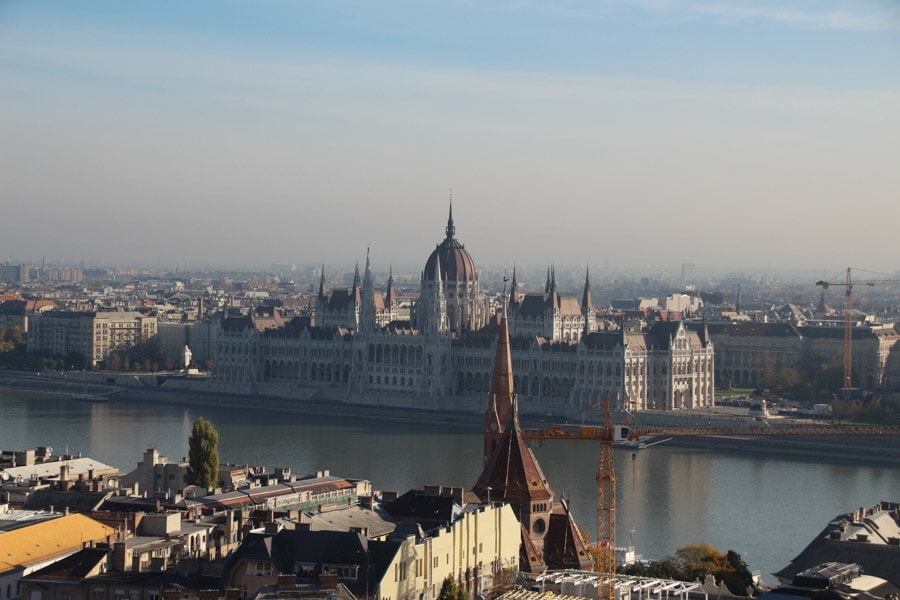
(91,334)
(747,351)
(478,547)
(28,549)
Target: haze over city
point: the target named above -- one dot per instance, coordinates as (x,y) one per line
(634,132)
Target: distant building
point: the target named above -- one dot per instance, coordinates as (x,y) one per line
(746,351)
(13,273)
(18,313)
(360,350)
(93,335)
(156,474)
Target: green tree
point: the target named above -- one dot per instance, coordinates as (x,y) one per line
(203,454)
(451,591)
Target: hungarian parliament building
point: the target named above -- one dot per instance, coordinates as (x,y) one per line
(356,348)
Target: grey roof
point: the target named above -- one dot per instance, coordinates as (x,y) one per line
(840,541)
(350,517)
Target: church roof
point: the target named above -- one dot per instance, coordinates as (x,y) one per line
(513,472)
(564,548)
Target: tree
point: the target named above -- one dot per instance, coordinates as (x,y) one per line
(203,454)
(451,591)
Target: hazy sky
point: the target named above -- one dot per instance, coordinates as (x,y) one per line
(731,133)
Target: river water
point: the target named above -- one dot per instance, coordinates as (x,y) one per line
(767,509)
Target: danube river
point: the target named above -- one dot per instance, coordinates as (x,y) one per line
(767,509)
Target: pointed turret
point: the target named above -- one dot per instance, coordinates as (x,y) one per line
(390,296)
(587,304)
(553,297)
(367,310)
(356,293)
(547,283)
(514,289)
(322,291)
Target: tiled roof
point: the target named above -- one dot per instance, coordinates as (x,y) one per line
(513,473)
(46,539)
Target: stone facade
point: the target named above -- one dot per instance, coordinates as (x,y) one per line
(441,358)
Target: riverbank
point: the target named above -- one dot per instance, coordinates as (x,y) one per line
(862,450)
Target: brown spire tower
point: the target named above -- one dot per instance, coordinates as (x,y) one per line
(501,411)
(512,474)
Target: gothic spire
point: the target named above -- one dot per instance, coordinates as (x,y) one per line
(355,292)
(451,229)
(390,295)
(322,284)
(513,289)
(586,302)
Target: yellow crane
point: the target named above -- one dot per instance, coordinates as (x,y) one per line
(848,320)
(608,434)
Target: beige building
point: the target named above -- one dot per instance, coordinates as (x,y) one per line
(94,335)
(745,352)
(479,549)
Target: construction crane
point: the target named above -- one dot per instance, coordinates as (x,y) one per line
(608,434)
(848,320)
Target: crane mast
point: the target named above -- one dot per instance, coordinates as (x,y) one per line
(606,470)
(606,509)
(848,321)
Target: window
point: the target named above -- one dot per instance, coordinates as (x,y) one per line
(99,594)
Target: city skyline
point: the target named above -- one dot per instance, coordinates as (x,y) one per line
(741,135)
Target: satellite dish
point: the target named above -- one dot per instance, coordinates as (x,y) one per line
(49,450)
(4,476)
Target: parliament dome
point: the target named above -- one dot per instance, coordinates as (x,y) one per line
(455,262)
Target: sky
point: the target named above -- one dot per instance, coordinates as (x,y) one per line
(734,134)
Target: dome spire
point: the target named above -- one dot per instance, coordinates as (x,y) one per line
(451,230)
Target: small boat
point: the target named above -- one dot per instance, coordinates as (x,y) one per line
(90,398)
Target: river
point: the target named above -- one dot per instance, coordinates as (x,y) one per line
(767,509)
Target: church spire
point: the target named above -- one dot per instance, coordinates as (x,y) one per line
(502,410)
